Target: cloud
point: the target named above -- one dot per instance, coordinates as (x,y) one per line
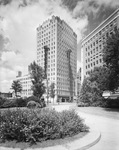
(5,2)
(19,20)
(85,7)
(3,44)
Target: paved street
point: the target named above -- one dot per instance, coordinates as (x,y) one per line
(107,121)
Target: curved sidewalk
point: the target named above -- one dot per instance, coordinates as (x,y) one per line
(84,143)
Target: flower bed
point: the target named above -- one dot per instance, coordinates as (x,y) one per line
(39,125)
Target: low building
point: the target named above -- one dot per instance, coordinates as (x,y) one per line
(26,84)
(6,95)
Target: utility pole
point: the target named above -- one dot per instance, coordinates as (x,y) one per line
(46,49)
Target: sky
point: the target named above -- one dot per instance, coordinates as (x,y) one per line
(20,18)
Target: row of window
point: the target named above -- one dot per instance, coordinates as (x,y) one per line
(93,57)
(107,27)
(95,50)
(94,63)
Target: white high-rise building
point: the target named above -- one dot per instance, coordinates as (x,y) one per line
(61,40)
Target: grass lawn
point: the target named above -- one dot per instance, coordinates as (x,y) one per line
(49,143)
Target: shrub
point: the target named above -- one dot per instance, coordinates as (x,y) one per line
(33,98)
(9,103)
(37,125)
(17,102)
(2,101)
(21,102)
(37,100)
(71,123)
(112,103)
(12,124)
(33,104)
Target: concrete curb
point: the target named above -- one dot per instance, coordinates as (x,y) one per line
(91,144)
(86,142)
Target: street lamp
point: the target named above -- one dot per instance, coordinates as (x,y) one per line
(46,49)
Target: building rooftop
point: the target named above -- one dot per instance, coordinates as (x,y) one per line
(98,27)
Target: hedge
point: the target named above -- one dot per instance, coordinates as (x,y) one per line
(20,102)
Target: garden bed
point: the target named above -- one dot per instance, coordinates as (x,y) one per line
(39,127)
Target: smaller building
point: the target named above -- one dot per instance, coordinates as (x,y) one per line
(26,84)
(6,95)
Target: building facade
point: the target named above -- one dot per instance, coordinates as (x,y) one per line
(61,40)
(92,45)
(78,84)
(6,95)
(26,84)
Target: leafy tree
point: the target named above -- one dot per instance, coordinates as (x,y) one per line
(99,83)
(85,93)
(52,91)
(17,87)
(111,59)
(37,76)
(94,85)
(100,75)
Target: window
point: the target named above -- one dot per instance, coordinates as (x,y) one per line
(100,60)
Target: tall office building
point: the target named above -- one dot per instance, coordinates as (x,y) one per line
(92,44)
(61,41)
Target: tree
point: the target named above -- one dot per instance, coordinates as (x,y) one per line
(16,86)
(94,85)
(100,75)
(111,59)
(37,77)
(85,93)
(52,91)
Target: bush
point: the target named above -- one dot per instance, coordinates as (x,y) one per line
(17,102)
(33,98)
(38,125)
(21,102)
(37,100)
(112,103)
(10,103)
(33,104)
(2,101)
